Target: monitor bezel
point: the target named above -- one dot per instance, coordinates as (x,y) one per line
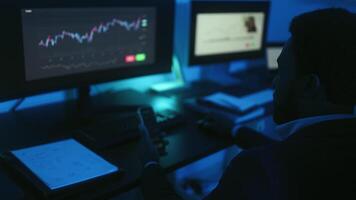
(19,87)
(224,7)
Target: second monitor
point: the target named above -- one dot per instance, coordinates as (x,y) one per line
(227,30)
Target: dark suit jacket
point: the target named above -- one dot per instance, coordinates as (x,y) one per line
(317,162)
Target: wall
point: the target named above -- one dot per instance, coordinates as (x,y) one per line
(282,11)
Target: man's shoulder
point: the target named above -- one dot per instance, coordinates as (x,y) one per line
(302,165)
(329,128)
(307,144)
(323,146)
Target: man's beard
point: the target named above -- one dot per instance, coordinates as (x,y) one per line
(286,111)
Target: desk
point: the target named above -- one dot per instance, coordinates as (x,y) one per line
(47,123)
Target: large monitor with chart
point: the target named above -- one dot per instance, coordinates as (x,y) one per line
(67,41)
(64,44)
(227,30)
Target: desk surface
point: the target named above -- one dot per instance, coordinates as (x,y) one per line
(47,123)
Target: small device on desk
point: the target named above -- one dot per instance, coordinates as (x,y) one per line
(147,119)
(59,169)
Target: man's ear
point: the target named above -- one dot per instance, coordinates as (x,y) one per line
(309,85)
(312,82)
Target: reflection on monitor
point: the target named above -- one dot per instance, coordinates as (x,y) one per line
(223,33)
(272,56)
(59,42)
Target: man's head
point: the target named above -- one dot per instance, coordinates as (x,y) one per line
(317,68)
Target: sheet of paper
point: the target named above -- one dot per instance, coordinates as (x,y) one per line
(64,163)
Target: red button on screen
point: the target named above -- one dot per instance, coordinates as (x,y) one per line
(130,58)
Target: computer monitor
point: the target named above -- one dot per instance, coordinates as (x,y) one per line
(223,31)
(53,45)
(273,51)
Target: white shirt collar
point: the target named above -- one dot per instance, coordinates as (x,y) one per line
(289,128)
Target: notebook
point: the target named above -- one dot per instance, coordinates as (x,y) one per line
(63,163)
(239,104)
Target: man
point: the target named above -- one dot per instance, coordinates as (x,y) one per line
(314,100)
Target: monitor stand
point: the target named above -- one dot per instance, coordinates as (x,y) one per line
(83,103)
(177,83)
(219,73)
(108,102)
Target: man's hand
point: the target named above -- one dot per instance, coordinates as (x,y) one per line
(148,151)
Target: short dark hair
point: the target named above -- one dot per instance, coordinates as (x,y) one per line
(324,43)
